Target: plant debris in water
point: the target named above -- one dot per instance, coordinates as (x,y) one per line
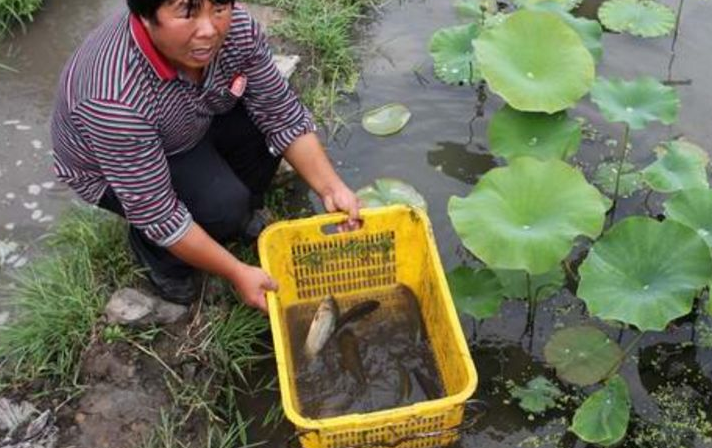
(537,396)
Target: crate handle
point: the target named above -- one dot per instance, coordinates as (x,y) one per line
(332,224)
(475,408)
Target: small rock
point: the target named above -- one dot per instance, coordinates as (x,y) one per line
(37,144)
(11,122)
(18,163)
(4,317)
(79,417)
(36,215)
(10,226)
(48,185)
(34,189)
(286,64)
(22,127)
(30,205)
(130,306)
(10,195)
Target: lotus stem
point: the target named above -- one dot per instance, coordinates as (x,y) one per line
(622,157)
(633,344)
(675,35)
(531,315)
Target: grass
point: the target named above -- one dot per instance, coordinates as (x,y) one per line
(323,29)
(59,298)
(16,12)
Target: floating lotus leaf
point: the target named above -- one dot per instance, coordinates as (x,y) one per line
(692,208)
(539,395)
(536,62)
(582,355)
(590,31)
(631,180)
(542,286)
(386,120)
(476,292)
(603,418)
(680,165)
(390,191)
(513,133)
(636,102)
(470,10)
(454,55)
(565,5)
(644,272)
(644,18)
(526,215)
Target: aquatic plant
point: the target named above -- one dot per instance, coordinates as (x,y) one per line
(692,208)
(512,133)
(644,18)
(603,418)
(386,191)
(478,293)
(644,273)
(386,120)
(537,396)
(630,179)
(535,61)
(454,54)
(526,215)
(681,165)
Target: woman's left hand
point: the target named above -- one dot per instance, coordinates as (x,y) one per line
(341,198)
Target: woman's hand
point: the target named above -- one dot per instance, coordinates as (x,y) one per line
(252,283)
(342,199)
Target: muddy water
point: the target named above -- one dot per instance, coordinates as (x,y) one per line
(30,199)
(443,152)
(381,361)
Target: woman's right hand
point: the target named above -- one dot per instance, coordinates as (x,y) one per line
(252,283)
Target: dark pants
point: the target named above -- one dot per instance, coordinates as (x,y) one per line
(221,181)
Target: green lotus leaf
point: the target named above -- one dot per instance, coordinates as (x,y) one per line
(590,31)
(470,10)
(603,417)
(644,18)
(476,292)
(496,19)
(527,215)
(692,208)
(635,102)
(535,61)
(582,355)
(386,120)
(680,165)
(542,286)
(390,191)
(454,55)
(644,272)
(513,133)
(539,395)
(631,179)
(565,5)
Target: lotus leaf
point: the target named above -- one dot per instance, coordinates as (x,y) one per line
(635,102)
(454,55)
(476,292)
(692,208)
(513,133)
(386,120)
(630,179)
(644,272)
(535,61)
(390,191)
(680,165)
(526,215)
(539,395)
(470,10)
(603,417)
(566,5)
(644,18)
(582,355)
(542,286)
(590,31)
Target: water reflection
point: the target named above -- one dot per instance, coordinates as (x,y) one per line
(458,161)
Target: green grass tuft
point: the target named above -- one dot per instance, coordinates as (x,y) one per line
(59,297)
(16,12)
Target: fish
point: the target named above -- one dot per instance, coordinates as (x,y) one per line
(350,358)
(358,311)
(431,390)
(406,387)
(322,327)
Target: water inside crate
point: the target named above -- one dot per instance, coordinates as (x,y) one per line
(380,361)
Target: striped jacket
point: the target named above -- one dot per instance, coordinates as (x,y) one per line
(122,109)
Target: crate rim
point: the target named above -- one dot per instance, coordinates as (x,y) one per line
(404,412)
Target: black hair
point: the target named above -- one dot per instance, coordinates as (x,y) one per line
(148,8)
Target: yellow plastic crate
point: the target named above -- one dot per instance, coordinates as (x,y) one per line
(395,246)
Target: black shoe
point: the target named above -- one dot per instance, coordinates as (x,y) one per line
(180,290)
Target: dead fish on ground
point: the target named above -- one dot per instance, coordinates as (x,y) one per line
(350,358)
(358,311)
(322,326)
